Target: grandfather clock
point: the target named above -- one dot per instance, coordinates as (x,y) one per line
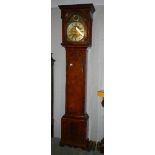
(76,38)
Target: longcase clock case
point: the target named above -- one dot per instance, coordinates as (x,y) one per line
(74,123)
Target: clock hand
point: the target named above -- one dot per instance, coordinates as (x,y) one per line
(79,31)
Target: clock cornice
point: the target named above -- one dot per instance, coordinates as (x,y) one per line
(89,6)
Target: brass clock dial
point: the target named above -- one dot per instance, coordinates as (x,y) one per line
(75,31)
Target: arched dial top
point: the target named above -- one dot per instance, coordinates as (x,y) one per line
(75,31)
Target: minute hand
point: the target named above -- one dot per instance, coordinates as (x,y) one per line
(79,31)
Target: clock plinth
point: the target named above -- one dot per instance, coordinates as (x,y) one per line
(74,130)
(76,37)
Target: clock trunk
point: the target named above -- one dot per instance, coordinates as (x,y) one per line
(75,121)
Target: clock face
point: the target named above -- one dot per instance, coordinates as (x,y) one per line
(75,31)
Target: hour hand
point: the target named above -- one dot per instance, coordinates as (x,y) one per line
(79,31)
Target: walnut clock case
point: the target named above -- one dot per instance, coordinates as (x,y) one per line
(76,38)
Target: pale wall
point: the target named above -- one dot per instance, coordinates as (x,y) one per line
(95,74)
(55,3)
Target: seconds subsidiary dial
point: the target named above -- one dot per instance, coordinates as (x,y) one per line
(75,31)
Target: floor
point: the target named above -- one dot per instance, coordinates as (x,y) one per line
(65,150)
